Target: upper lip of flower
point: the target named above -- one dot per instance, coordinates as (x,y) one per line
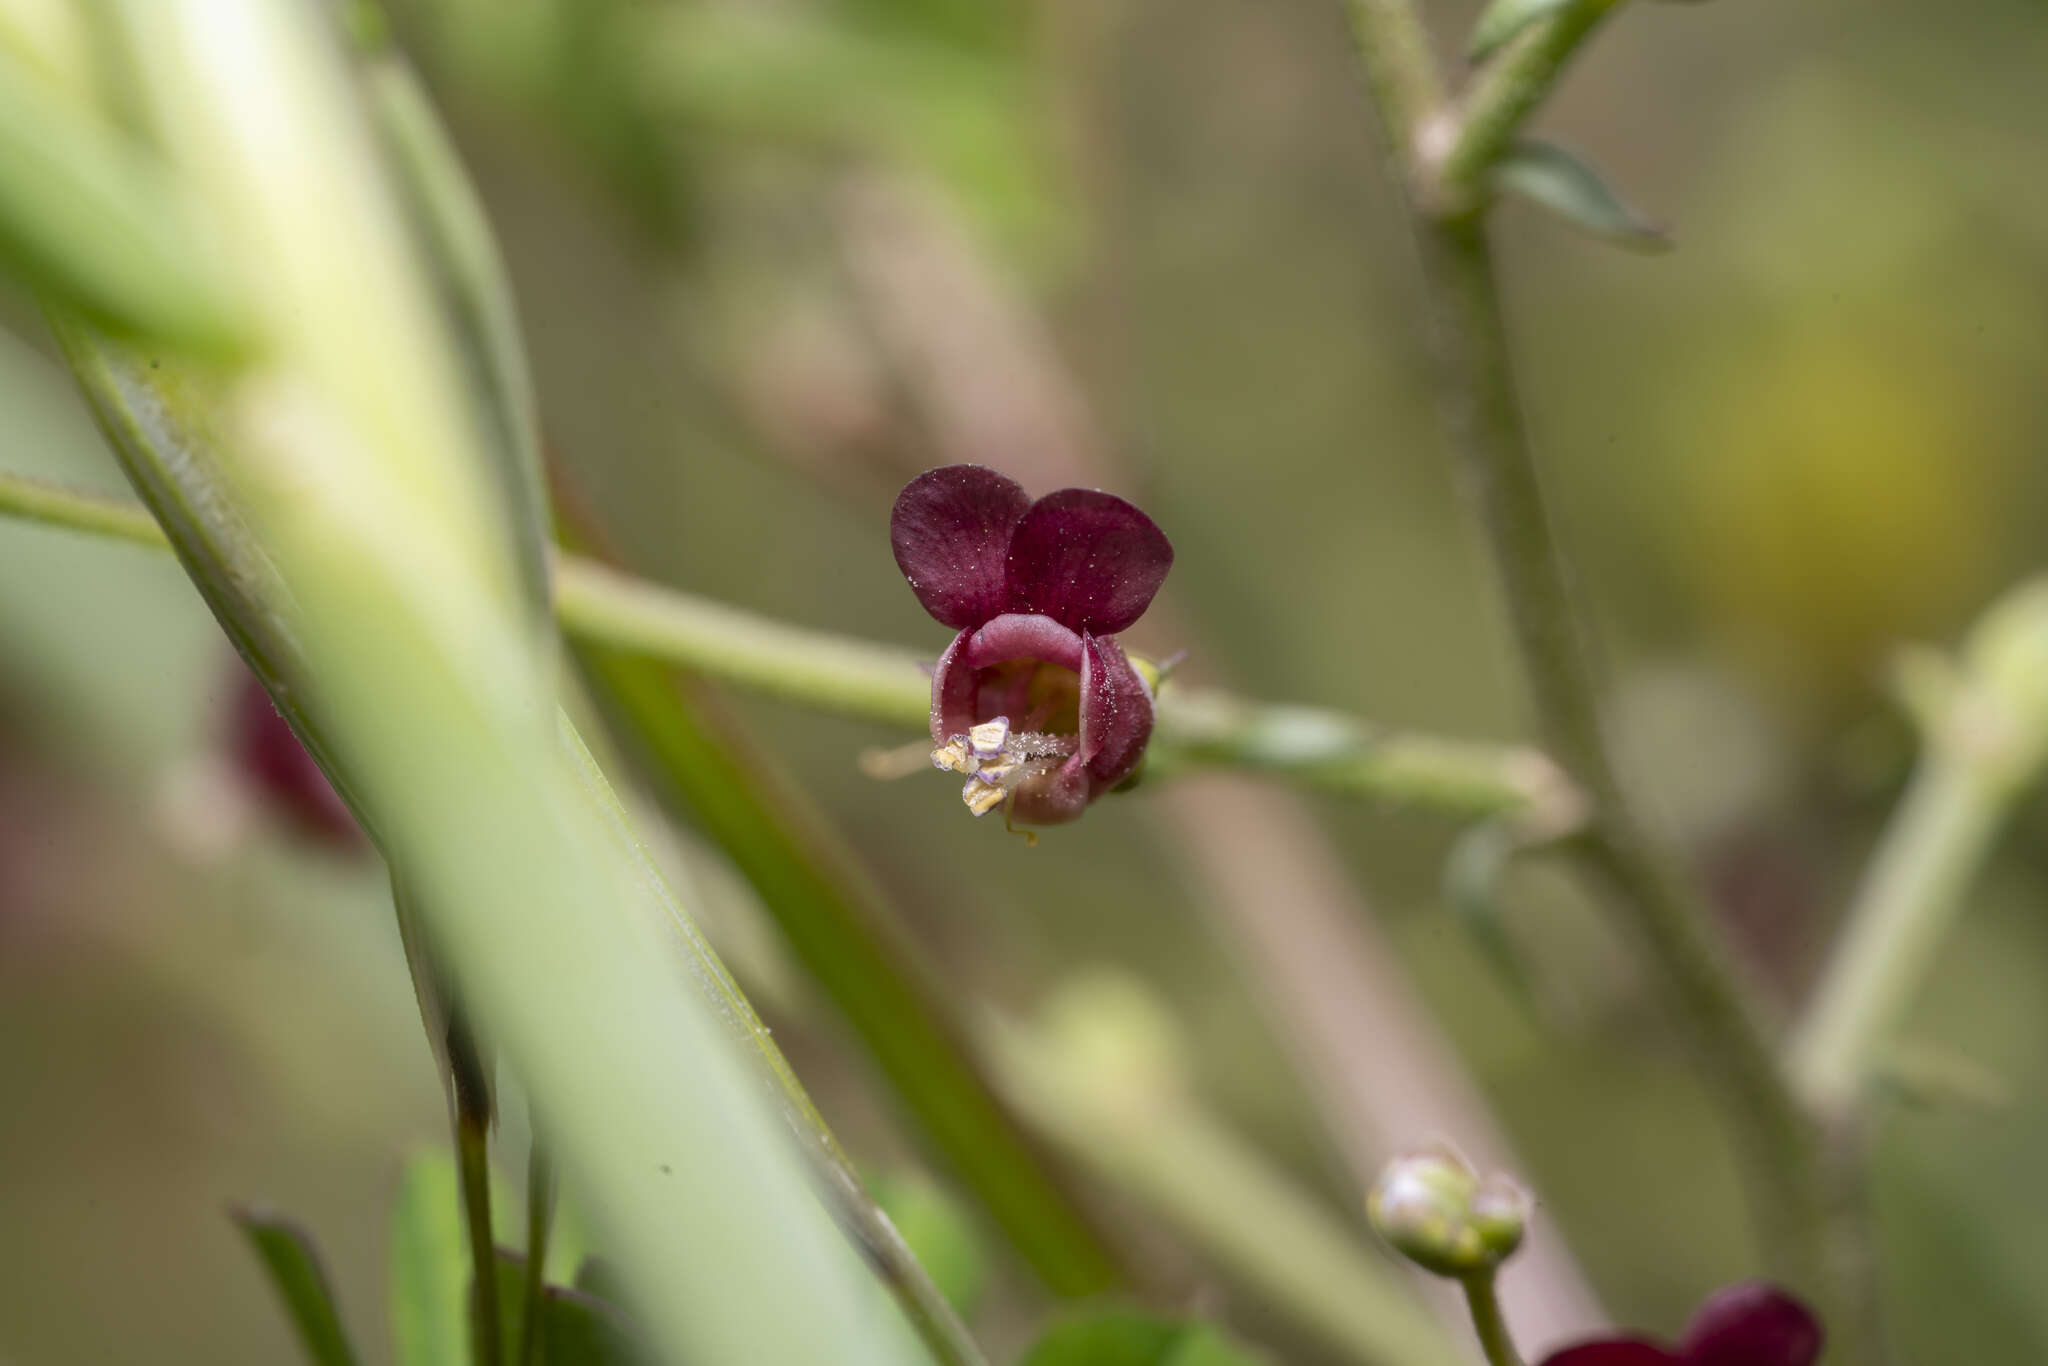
(1050,581)
(974,547)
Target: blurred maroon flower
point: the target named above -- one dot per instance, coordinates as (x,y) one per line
(1751,1324)
(1034,700)
(277,769)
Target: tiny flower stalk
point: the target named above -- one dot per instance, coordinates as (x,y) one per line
(1034,702)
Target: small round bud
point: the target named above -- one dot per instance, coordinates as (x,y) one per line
(1435,1211)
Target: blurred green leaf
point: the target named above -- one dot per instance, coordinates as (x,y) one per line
(1559,181)
(294,1265)
(87,216)
(576,1328)
(1503,20)
(939,1232)
(1129,1337)
(428,1278)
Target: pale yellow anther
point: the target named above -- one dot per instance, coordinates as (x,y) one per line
(989,737)
(955,755)
(981,797)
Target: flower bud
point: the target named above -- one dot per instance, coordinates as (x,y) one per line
(1437,1212)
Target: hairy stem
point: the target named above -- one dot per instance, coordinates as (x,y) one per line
(859,679)
(1483,420)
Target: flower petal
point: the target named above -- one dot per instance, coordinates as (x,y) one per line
(1020,635)
(954,685)
(1086,559)
(1613,1352)
(951,533)
(1752,1324)
(1053,798)
(1116,713)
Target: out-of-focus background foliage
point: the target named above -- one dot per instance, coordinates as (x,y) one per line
(1809,434)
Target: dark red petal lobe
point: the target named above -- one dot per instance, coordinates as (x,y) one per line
(955,684)
(951,534)
(1752,1324)
(1613,1352)
(1086,559)
(1116,713)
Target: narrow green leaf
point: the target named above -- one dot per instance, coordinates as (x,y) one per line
(88,217)
(1129,1337)
(428,1286)
(1554,178)
(576,1328)
(1503,20)
(294,1265)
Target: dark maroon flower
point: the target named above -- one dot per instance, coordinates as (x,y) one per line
(1751,1324)
(276,767)
(1034,700)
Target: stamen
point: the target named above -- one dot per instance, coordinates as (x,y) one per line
(981,796)
(990,737)
(955,755)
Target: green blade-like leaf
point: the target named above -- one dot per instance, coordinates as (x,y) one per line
(1503,20)
(577,1328)
(1128,1337)
(428,1282)
(1559,181)
(294,1265)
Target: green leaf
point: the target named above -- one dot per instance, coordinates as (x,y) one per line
(1503,20)
(428,1286)
(1559,181)
(288,1254)
(1129,1337)
(575,1328)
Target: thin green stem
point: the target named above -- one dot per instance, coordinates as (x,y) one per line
(540,1210)
(122,519)
(854,678)
(1909,899)
(1500,99)
(1483,420)
(1393,48)
(472,1152)
(1488,1322)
